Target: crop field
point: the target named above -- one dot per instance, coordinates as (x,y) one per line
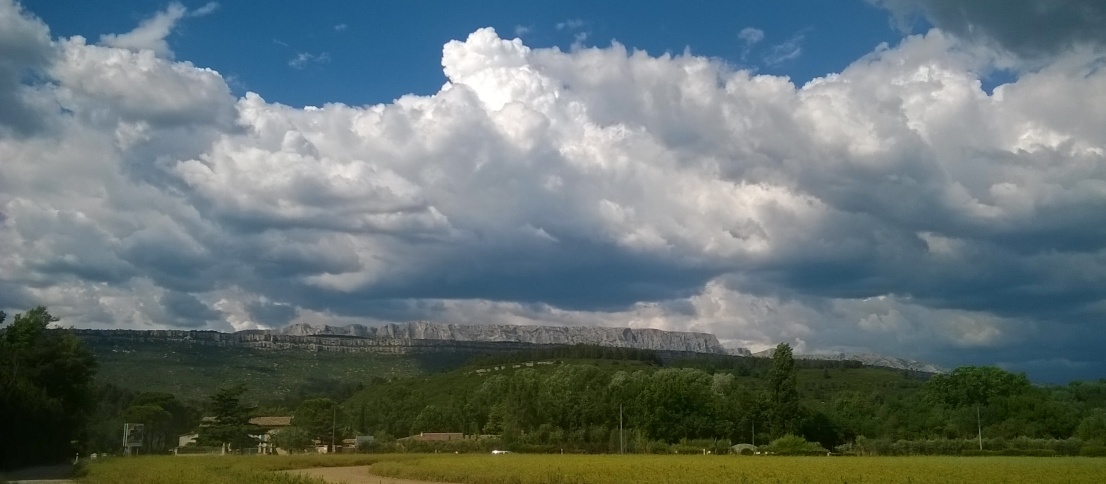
(217,469)
(670,469)
(602,469)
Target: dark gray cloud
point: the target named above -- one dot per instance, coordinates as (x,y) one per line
(1028,28)
(271,313)
(185,310)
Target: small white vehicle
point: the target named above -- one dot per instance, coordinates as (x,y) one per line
(497,452)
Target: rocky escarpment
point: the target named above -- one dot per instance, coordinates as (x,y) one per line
(400,338)
(404,333)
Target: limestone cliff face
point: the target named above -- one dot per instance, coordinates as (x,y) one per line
(407,333)
(401,338)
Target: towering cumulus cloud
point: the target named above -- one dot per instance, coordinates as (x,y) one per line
(895,206)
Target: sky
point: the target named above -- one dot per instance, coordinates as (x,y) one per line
(916,178)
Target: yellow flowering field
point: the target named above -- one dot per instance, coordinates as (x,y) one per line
(675,469)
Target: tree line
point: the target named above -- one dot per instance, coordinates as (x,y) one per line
(582,406)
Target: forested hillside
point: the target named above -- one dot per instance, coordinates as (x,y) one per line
(549,399)
(553,402)
(194,371)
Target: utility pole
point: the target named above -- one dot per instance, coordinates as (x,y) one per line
(620,439)
(333,423)
(979,425)
(754,432)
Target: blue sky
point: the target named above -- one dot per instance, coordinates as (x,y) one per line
(376,52)
(918,178)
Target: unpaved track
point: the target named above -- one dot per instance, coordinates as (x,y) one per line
(352,475)
(56,474)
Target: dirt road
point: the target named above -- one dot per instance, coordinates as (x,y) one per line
(352,475)
(56,474)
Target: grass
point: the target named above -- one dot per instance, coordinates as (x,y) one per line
(217,469)
(641,469)
(601,469)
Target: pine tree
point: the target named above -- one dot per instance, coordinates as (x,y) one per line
(231,426)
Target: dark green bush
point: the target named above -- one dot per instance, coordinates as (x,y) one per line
(1093,450)
(795,445)
(980,453)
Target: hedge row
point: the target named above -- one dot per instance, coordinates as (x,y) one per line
(1021,446)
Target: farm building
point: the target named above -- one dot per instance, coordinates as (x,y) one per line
(434,437)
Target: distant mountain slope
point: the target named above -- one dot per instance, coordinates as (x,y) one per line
(278,362)
(275,363)
(869,359)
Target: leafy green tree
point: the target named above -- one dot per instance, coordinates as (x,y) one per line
(678,404)
(573,397)
(523,392)
(1093,426)
(165,418)
(783,392)
(436,418)
(183,418)
(794,445)
(292,439)
(231,425)
(45,390)
(625,390)
(969,386)
(497,420)
(975,387)
(319,417)
(105,424)
(154,419)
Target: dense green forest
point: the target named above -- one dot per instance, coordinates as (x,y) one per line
(577,402)
(191,372)
(572,399)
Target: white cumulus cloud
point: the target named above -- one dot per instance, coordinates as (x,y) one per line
(894,206)
(150,34)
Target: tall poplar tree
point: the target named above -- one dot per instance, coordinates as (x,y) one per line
(783,392)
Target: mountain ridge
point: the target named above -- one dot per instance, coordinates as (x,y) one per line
(425,336)
(638,338)
(422,336)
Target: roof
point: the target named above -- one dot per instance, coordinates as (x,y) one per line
(271,421)
(426,436)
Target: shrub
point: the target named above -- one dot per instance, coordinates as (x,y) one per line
(656,447)
(795,445)
(1093,450)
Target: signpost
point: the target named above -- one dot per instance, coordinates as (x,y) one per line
(133,434)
